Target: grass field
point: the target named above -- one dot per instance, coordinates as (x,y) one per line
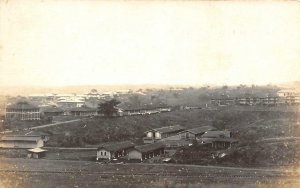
(51,173)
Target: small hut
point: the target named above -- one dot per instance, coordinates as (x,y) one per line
(36,153)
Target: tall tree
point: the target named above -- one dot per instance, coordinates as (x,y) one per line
(108,108)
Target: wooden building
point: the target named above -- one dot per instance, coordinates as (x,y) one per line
(174,144)
(114,150)
(222,101)
(21,141)
(154,135)
(36,133)
(22,111)
(218,143)
(196,133)
(66,103)
(217,134)
(146,151)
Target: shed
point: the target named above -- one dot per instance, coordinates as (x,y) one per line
(114,150)
(147,151)
(36,153)
(21,141)
(217,134)
(196,132)
(163,132)
(219,143)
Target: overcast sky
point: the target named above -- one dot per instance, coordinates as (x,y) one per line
(61,43)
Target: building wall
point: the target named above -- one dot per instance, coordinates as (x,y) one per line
(157,135)
(150,134)
(40,143)
(134,154)
(83,113)
(103,154)
(20,144)
(21,114)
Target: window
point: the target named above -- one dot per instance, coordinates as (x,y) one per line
(105,153)
(101,153)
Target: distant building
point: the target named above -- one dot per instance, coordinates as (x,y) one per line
(83,111)
(145,109)
(289,96)
(114,150)
(195,133)
(217,134)
(21,141)
(250,101)
(217,139)
(146,151)
(157,134)
(22,111)
(42,97)
(218,143)
(70,103)
(93,94)
(173,144)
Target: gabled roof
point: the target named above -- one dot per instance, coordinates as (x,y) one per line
(20,138)
(176,142)
(150,147)
(215,134)
(116,146)
(169,129)
(203,129)
(22,105)
(211,140)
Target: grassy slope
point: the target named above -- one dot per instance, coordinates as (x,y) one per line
(244,124)
(247,126)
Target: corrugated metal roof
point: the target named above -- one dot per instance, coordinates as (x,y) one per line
(202,129)
(117,146)
(215,134)
(168,129)
(20,138)
(128,107)
(150,147)
(210,140)
(178,142)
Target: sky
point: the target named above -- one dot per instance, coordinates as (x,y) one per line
(60,43)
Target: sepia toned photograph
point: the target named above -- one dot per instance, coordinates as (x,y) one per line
(149,94)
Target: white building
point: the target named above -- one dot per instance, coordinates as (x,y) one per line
(21,141)
(114,150)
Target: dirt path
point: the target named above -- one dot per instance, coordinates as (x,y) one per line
(53,124)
